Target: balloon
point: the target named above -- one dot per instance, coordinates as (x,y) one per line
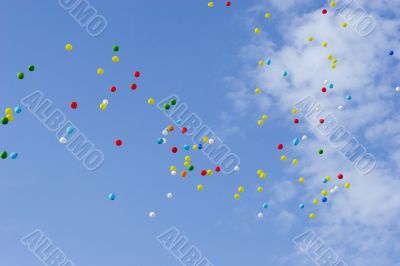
(283,158)
(186,147)
(257,30)
(187,158)
(13,155)
(257,90)
(173,172)
(209,172)
(261,63)
(294,111)
(301,206)
(136,74)
(348,97)
(70,130)
(260,122)
(325,44)
(111,196)
(301,179)
(169,196)
(115,58)
(321,121)
(200,146)
(3,155)
(20,75)
(4,120)
(391,53)
(260,216)
(237,196)
(113,89)
(191,168)
(340,107)
(205,139)
(285,73)
(211,141)
(265,205)
(280,146)
(167,106)
(320,151)
(172,168)
(174,149)
(312,215)
(333,4)
(331,85)
(296,121)
(63,140)
(323,89)
(303,138)
(115,48)
(269,61)
(210,4)
(217,169)
(68,47)
(237,168)
(173,102)
(324,192)
(134,86)
(184,130)
(260,189)
(344,24)
(17,110)
(340,176)
(262,175)
(105,101)
(295,161)
(296,141)
(183,173)
(31,68)
(324,11)
(152,215)
(118,142)
(267,15)
(315,201)
(347,185)
(324,199)
(170,128)
(264,117)
(186,163)
(164,132)
(100,71)
(240,189)
(228,3)
(200,187)
(310,39)
(397,89)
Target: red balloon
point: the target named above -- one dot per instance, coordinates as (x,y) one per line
(174,149)
(133,86)
(228,3)
(296,121)
(184,130)
(203,172)
(113,89)
(118,142)
(340,176)
(74,105)
(323,89)
(280,146)
(136,74)
(324,11)
(321,121)
(217,169)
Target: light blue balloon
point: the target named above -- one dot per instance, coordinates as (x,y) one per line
(13,155)
(70,130)
(331,86)
(268,61)
(17,110)
(111,196)
(265,205)
(285,73)
(296,141)
(186,147)
(301,206)
(348,97)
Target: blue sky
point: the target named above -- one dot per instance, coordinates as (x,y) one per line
(209,58)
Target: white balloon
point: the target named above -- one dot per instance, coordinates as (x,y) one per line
(105,101)
(63,140)
(260,216)
(165,132)
(340,107)
(326,82)
(211,141)
(304,137)
(397,89)
(316,109)
(173,172)
(170,196)
(152,215)
(332,191)
(237,168)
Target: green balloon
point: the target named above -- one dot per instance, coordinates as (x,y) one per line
(167,106)
(320,151)
(173,102)
(31,67)
(116,48)
(20,75)
(191,167)
(4,155)
(4,120)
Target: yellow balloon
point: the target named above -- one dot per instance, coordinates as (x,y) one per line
(334,61)
(328,178)
(312,216)
(237,196)
(260,189)
(205,139)
(261,62)
(260,122)
(325,44)
(324,193)
(347,185)
(259,172)
(333,66)
(283,158)
(209,172)
(257,90)
(310,39)
(115,59)
(187,158)
(68,47)
(8,111)
(210,4)
(301,179)
(344,24)
(186,163)
(295,161)
(240,189)
(103,106)
(200,187)
(195,147)
(267,15)
(330,57)
(10,117)
(262,175)
(315,201)
(294,111)
(100,71)
(172,168)
(257,30)
(150,101)
(264,117)
(333,4)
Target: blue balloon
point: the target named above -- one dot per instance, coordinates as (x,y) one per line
(17,110)
(179,121)
(296,141)
(111,196)
(348,97)
(186,147)
(13,155)
(324,199)
(160,141)
(265,205)
(285,73)
(325,180)
(268,61)
(70,130)
(391,53)
(331,86)
(301,206)
(200,146)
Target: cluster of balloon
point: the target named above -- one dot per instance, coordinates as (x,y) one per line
(9,114)
(211,4)
(172,102)
(68,132)
(264,117)
(104,104)
(330,57)
(4,155)
(21,75)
